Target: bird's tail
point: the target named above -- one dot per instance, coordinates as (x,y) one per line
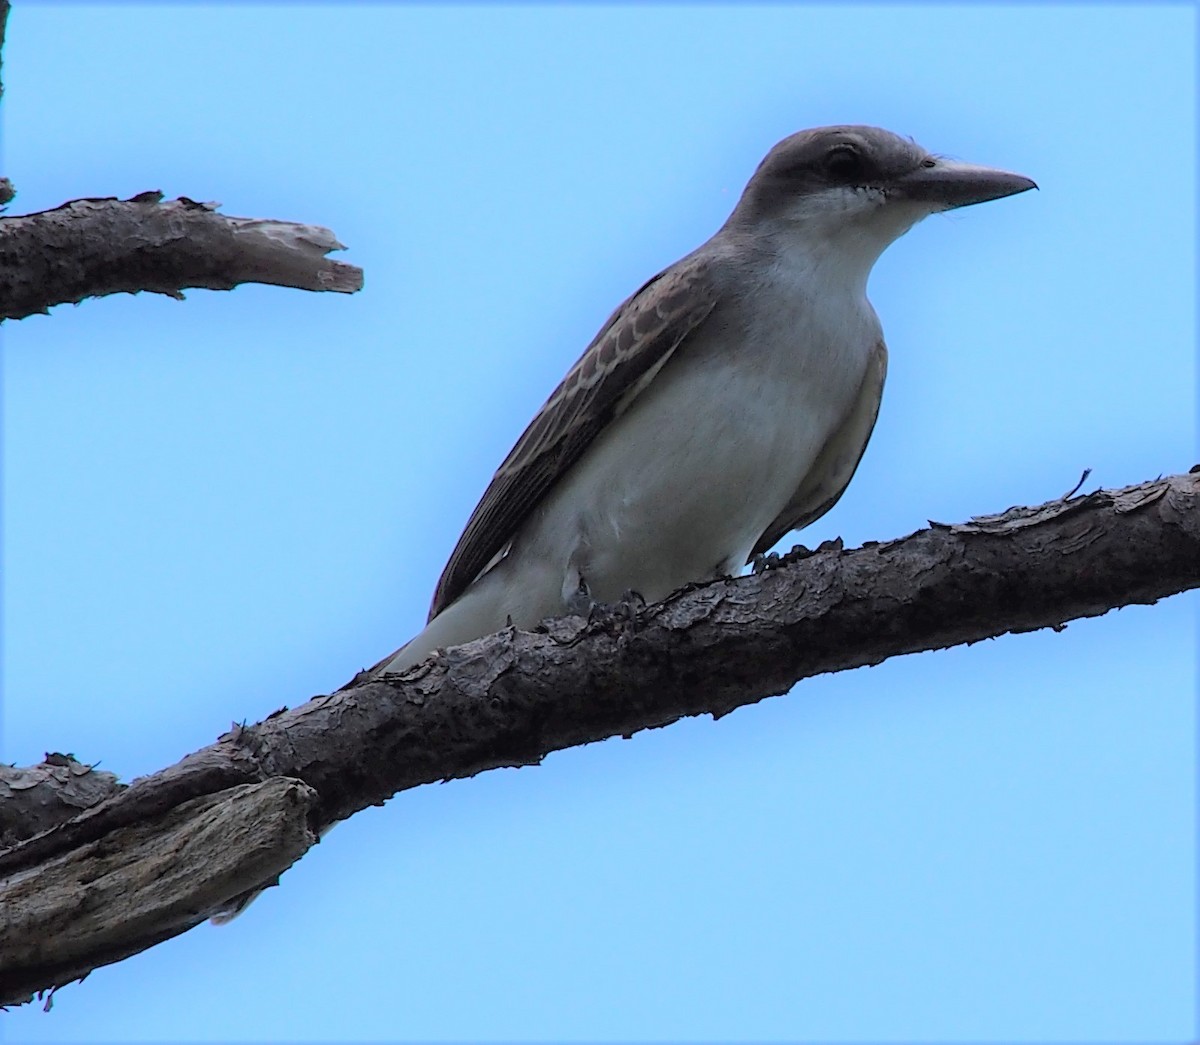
(480,611)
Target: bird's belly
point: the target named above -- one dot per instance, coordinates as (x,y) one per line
(682,485)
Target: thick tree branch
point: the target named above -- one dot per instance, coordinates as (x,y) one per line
(7,192)
(146,882)
(92,247)
(512,698)
(35,798)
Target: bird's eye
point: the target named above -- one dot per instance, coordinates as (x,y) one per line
(929,161)
(843,162)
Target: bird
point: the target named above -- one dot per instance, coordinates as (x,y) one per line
(725,403)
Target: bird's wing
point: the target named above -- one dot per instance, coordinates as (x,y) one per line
(835,464)
(627,353)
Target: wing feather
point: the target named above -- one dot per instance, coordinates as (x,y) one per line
(631,347)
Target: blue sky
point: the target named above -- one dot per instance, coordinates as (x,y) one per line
(216,507)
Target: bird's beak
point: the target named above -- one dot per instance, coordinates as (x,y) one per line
(948,184)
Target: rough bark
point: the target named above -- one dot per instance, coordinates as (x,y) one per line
(35,798)
(92,247)
(144,883)
(512,698)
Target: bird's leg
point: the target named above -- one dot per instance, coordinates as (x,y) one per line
(620,616)
(773,560)
(582,603)
(764,561)
(625,609)
(630,605)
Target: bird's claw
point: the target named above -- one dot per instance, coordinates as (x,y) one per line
(626,609)
(764,561)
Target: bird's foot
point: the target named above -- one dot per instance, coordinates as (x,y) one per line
(625,610)
(798,552)
(764,561)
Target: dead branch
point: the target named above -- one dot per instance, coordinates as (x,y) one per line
(147,882)
(511,698)
(92,247)
(35,798)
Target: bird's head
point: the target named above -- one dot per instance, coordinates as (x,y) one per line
(861,188)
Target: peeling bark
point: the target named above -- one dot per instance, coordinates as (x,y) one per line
(145,883)
(35,798)
(93,247)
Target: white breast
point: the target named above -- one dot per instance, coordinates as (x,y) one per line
(681,486)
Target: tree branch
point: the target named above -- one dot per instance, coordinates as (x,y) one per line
(36,798)
(92,247)
(7,192)
(146,882)
(511,698)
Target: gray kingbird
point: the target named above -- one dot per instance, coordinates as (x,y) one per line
(725,403)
